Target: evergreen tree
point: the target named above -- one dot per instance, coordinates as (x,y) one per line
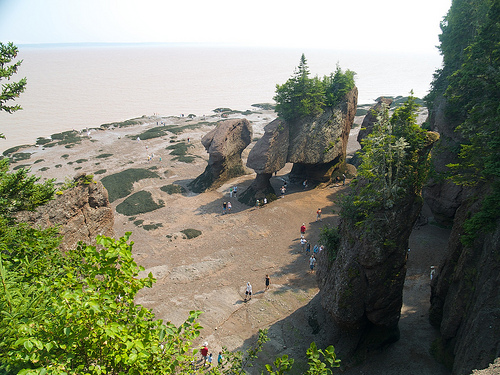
(10,91)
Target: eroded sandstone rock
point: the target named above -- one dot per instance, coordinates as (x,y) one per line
(224,145)
(81,214)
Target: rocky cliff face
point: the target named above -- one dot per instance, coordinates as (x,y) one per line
(224,145)
(371,117)
(81,213)
(362,286)
(443,196)
(465,298)
(317,147)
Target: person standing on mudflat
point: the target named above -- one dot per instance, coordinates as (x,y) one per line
(248,292)
(268,281)
(303,229)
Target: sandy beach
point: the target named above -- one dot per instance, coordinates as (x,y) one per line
(209,272)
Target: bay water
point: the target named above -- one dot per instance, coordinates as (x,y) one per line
(84,86)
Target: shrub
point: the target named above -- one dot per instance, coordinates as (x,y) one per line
(138,203)
(119,185)
(42,141)
(100,171)
(80,161)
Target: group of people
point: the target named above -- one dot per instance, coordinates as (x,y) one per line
(233,190)
(306,246)
(226,207)
(207,358)
(260,202)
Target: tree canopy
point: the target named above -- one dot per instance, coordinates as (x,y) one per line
(301,96)
(470,81)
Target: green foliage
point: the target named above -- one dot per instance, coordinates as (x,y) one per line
(12,90)
(470,44)
(20,192)
(75,313)
(393,163)
(301,96)
(338,85)
(320,362)
(191,233)
(138,203)
(120,184)
(330,238)
(100,171)
(86,321)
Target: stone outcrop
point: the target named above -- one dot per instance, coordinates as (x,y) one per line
(465,299)
(224,145)
(371,117)
(316,145)
(267,156)
(362,288)
(81,213)
(442,196)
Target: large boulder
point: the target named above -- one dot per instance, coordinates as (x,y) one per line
(224,145)
(318,145)
(267,156)
(81,213)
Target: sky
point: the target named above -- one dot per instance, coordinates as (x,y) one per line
(388,25)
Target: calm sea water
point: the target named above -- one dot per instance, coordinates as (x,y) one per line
(86,86)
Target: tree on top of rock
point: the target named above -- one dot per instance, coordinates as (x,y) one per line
(301,96)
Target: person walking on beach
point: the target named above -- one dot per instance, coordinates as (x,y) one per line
(224,207)
(235,191)
(229,206)
(305,184)
(268,281)
(308,248)
(343,178)
(303,229)
(282,191)
(204,352)
(312,263)
(219,360)
(209,360)
(248,291)
(303,243)
(318,215)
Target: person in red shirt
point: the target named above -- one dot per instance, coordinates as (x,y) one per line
(303,229)
(204,353)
